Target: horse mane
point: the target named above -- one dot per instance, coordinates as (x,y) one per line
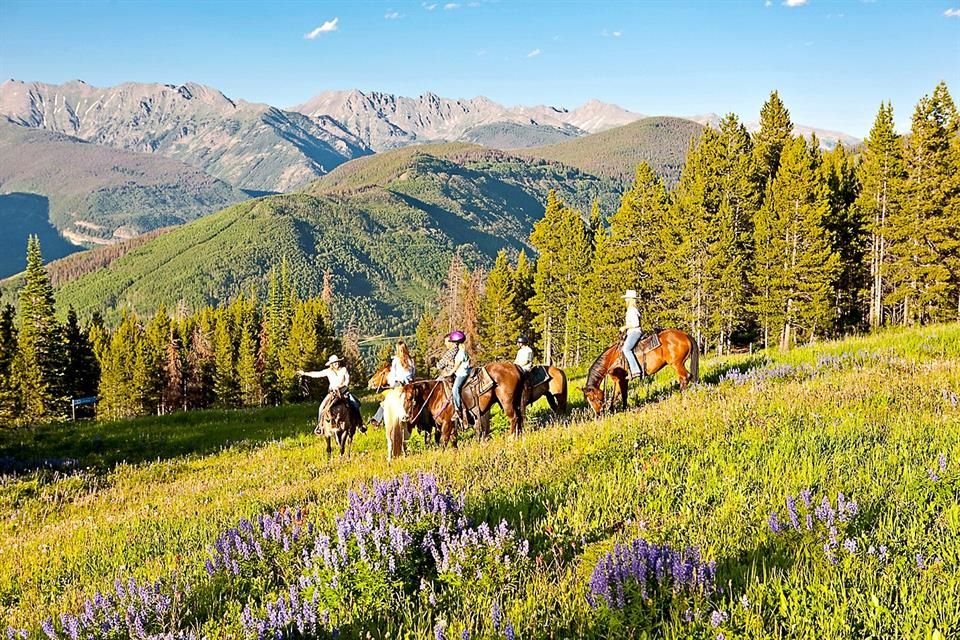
(598,369)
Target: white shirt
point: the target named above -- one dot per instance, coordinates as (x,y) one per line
(399,374)
(524,358)
(461,362)
(632,318)
(339,378)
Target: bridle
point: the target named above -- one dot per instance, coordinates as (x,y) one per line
(426,401)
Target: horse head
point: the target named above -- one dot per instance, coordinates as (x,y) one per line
(595,398)
(379,379)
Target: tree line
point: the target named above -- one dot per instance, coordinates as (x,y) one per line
(765,239)
(241,354)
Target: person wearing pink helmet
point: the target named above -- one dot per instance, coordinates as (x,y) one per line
(456,363)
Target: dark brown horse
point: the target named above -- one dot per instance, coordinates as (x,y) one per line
(338,419)
(433,397)
(675,347)
(552,383)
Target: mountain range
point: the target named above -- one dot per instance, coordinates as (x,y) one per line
(380,189)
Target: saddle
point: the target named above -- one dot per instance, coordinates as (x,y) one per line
(478,383)
(645,345)
(323,415)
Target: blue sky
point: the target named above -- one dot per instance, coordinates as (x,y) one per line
(833,62)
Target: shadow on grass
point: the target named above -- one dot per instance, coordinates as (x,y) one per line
(100,446)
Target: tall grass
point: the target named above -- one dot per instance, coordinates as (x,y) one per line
(874,419)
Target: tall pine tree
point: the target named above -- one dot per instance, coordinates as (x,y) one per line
(775,133)
(880,175)
(498,321)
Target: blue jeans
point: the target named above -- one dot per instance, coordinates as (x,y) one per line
(457,386)
(633,337)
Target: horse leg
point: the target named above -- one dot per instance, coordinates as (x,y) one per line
(622,382)
(329,449)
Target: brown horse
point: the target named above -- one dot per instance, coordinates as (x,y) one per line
(675,347)
(433,397)
(338,419)
(378,381)
(553,385)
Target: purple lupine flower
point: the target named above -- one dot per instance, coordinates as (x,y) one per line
(850,546)
(440,631)
(717,618)
(882,553)
(508,631)
(920,561)
(465,635)
(792,512)
(496,616)
(774,523)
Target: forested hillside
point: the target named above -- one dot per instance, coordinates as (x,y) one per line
(661,142)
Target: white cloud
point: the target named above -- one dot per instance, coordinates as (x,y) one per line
(429,7)
(450,6)
(794,3)
(534,53)
(611,34)
(768,3)
(393,15)
(952,13)
(326,27)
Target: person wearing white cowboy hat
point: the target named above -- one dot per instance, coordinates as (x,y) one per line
(631,325)
(337,376)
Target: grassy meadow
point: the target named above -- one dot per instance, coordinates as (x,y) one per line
(811,494)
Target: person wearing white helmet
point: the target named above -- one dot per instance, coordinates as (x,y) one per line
(631,325)
(339,379)
(524,358)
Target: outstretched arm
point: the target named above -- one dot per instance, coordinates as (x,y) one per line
(314,374)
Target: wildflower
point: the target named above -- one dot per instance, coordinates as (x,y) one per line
(774,523)
(440,631)
(882,553)
(792,512)
(920,561)
(717,618)
(744,601)
(496,616)
(508,631)
(465,635)
(942,462)
(850,546)
(933,475)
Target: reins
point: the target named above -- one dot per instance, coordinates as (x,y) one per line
(426,401)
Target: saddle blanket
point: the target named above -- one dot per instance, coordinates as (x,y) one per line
(479,381)
(537,376)
(647,344)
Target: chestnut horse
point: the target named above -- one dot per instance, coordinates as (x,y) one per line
(378,381)
(675,347)
(433,397)
(553,386)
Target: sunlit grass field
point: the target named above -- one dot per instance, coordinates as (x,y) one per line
(727,467)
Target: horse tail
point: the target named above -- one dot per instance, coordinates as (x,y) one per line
(694,360)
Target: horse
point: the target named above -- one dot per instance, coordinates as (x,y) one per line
(396,423)
(675,347)
(553,386)
(378,380)
(340,421)
(433,397)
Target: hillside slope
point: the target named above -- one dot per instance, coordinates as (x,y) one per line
(251,146)
(865,429)
(23,215)
(661,142)
(99,195)
(386,226)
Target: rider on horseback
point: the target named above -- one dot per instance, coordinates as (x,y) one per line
(524,358)
(339,379)
(456,363)
(631,326)
(402,371)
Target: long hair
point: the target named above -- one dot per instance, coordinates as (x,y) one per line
(403,354)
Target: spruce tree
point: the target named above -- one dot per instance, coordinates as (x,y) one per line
(560,239)
(40,343)
(225,384)
(120,376)
(82,369)
(10,393)
(498,321)
(428,341)
(625,258)
(775,133)
(523,293)
(766,276)
(923,232)
(808,265)
(880,174)
(848,238)
(248,378)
